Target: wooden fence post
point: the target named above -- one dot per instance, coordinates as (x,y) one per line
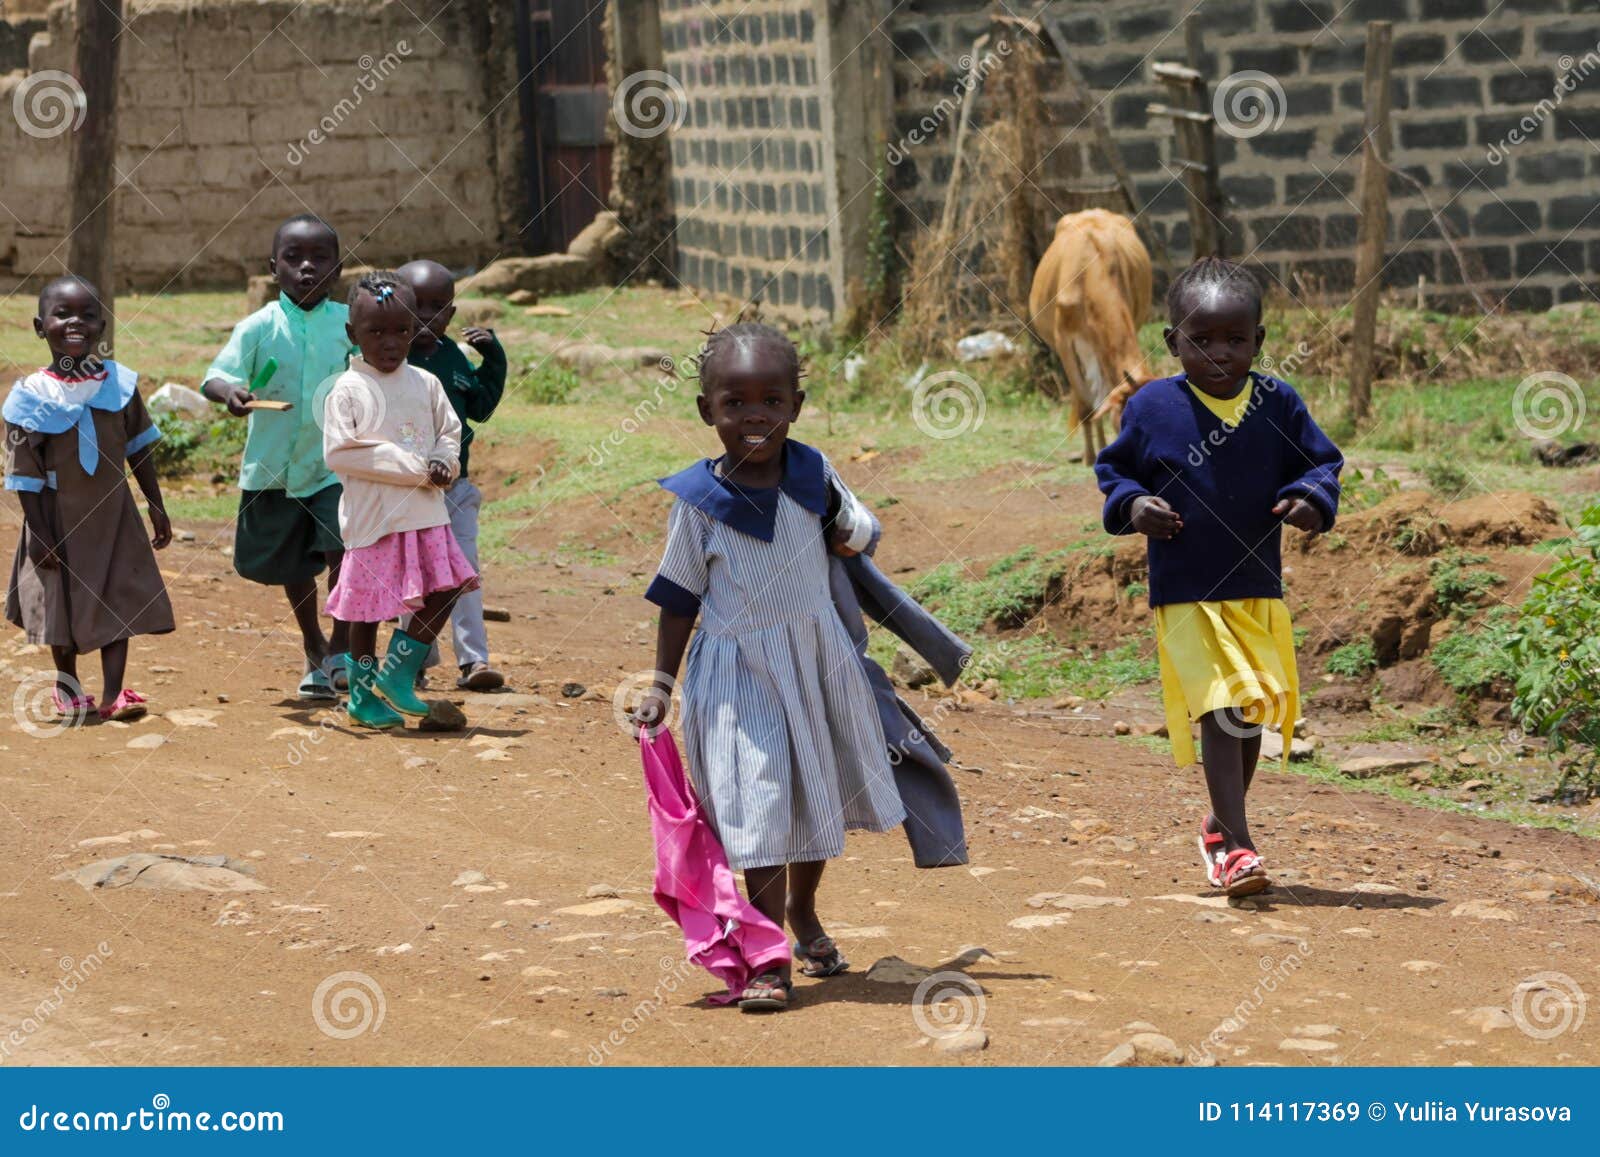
(93,175)
(1374,228)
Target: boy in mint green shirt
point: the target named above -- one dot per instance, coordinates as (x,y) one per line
(288,527)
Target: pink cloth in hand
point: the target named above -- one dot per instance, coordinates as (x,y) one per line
(722,931)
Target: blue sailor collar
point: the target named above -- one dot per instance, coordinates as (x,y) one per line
(751,510)
(38,414)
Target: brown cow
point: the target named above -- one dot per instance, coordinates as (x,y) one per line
(1090,294)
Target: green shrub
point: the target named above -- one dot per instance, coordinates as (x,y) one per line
(192,446)
(1359,491)
(1555,651)
(1353,660)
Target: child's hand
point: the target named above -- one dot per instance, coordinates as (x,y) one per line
(1300,514)
(480,339)
(439,475)
(160,528)
(236,399)
(1152,516)
(841,543)
(652,709)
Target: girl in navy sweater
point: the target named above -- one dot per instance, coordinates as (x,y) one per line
(1208,466)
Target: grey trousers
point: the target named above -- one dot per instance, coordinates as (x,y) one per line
(467,633)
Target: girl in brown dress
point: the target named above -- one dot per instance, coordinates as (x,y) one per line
(84,578)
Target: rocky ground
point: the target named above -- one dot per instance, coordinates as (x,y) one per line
(484,897)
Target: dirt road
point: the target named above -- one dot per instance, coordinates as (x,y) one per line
(491,890)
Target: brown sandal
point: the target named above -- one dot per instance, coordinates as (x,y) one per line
(820,958)
(766,993)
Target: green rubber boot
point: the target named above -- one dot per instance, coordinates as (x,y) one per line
(396,683)
(365,708)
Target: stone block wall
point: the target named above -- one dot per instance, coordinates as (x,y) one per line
(749,177)
(1520,184)
(380,116)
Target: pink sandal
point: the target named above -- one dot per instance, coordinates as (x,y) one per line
(77,706)
(1211,852)
(128,706)
(1243,873)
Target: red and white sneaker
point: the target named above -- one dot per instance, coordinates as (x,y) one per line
(1243,873)
(1211,845)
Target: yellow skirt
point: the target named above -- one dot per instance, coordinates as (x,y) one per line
(1234,653)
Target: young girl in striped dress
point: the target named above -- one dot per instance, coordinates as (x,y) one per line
(1210,465)
(784,743)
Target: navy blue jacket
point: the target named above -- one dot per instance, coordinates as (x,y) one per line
(1224,482)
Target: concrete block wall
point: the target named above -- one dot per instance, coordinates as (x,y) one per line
(750,185)
(1467,73)
(233,117)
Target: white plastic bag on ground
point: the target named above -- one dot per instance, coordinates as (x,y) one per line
(181,400)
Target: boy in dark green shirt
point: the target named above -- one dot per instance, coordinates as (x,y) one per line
(474,393)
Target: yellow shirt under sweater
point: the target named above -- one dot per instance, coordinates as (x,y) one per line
(1235,653)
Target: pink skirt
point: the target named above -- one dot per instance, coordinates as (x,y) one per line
(393,576)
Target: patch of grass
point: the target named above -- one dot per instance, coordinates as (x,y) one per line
(1011,591)
(1037,666)
(1459,589)
(1353,660)
(1472,659)
(1447,478)
(546,383)
(1319,769)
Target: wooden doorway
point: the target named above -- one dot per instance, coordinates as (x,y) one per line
(561,55)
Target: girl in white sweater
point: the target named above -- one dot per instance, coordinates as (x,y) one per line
(393,439)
